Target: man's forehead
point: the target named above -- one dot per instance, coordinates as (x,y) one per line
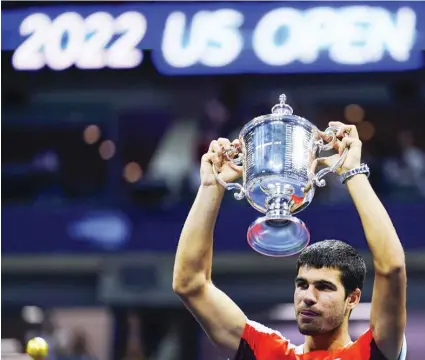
(325,273)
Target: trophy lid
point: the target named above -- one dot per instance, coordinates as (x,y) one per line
(282,108)
(279,112)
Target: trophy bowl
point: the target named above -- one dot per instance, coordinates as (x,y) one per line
(277,154)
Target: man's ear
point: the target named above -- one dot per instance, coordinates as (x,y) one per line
(353,299)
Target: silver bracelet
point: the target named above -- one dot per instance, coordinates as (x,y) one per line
(362,169)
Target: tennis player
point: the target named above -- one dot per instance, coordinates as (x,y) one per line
(328,283)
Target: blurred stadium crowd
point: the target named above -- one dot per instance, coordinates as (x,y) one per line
(122,149)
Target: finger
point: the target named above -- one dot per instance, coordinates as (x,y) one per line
(208,157)
(236,143)
(327,138)
(318,162)
(344,144)
(235,167)
(216,148)
(348,142)
(336,124)
(212,158)
(313,168)
(340,127)
(229,150)
(235,149)
(351,130)
(315,164)
(224,143)
(343,129)
(330,139)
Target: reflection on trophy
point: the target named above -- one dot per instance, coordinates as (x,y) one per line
(277,153)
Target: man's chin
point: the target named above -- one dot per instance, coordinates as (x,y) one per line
(309,329)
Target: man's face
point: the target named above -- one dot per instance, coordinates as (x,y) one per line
(319,298)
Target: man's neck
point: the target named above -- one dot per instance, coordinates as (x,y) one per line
(329,341)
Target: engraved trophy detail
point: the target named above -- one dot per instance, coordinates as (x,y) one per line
(277,153)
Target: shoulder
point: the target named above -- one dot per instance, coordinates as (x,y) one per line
(365,346)
(260,342)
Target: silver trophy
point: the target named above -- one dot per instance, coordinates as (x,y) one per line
(277,153)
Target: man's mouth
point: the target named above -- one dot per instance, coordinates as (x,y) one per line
(308,313)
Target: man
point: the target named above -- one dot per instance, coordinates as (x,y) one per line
(328,284)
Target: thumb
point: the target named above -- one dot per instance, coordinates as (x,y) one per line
(319,161)
(237,168)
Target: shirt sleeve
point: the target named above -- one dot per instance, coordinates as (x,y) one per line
(259,342)
(369,349)
(403,352)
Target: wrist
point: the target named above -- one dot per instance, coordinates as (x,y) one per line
(356,181)
(212,190)
(343,169)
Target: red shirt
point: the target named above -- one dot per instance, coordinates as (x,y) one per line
(261,343)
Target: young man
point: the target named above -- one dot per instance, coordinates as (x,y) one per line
(328,284)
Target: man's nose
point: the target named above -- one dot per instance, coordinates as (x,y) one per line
(309,297)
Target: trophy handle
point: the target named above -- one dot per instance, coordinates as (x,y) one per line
(229,154)
(318,177)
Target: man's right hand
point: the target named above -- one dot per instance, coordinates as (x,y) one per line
(227,170)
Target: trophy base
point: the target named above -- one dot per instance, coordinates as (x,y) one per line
(262,188)
(278,237)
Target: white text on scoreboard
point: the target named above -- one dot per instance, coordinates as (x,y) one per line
(347,35)
(87,41)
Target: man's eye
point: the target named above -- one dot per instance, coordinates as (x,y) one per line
(323,287)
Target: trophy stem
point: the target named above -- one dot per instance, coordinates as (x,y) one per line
(277,207)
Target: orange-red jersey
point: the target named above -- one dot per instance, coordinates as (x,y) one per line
(261,343)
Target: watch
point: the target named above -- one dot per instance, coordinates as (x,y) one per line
(362,169)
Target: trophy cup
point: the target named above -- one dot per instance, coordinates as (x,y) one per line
(277,152)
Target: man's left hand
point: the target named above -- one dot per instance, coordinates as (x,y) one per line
(347,138)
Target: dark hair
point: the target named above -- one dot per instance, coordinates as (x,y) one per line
(338,255)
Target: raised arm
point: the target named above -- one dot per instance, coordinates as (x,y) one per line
(221,318)
(388,313)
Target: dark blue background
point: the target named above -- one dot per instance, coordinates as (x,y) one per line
(32,230)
